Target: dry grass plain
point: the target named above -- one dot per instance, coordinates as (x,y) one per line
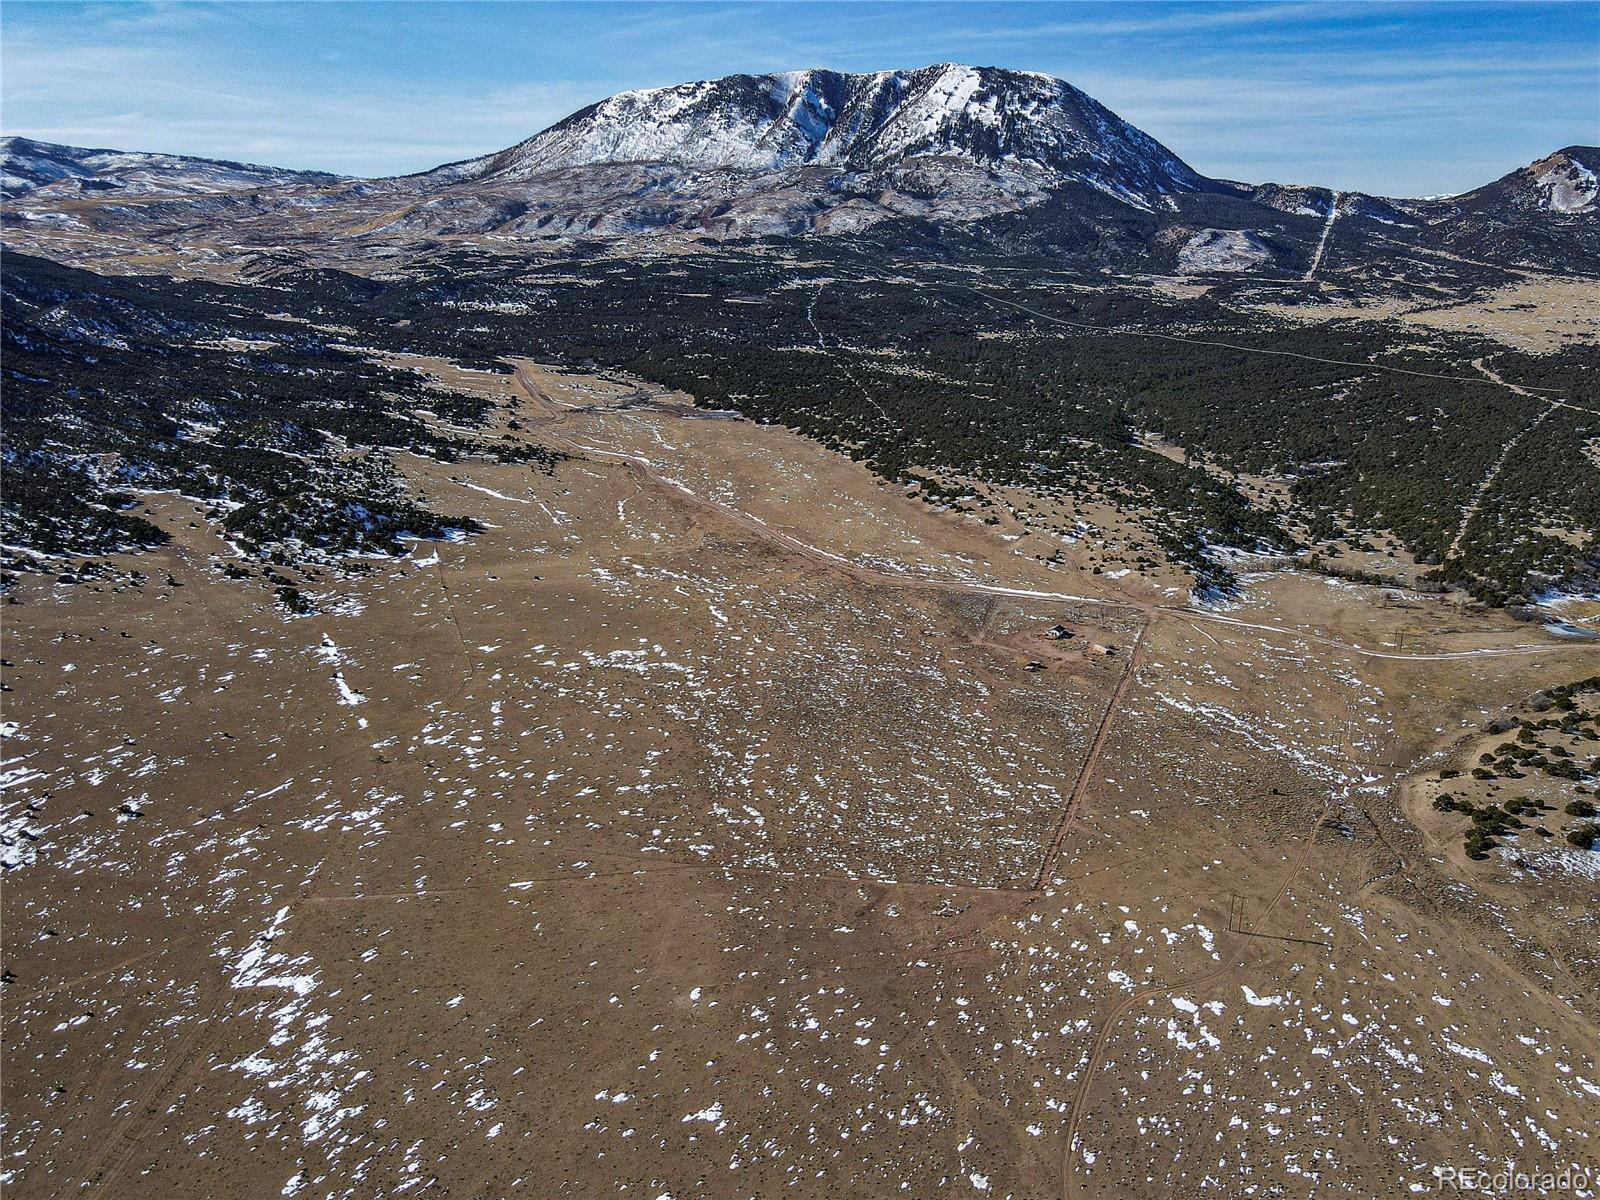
(1538,314)
(721,823)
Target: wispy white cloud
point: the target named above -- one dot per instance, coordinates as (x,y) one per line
(1194,19)
(1305,120)
(362,129)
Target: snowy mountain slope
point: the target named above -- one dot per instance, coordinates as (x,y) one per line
(1009,123)
(26,165)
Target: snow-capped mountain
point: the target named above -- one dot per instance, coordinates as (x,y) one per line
(26,165)
(1002,122)
(1018,163)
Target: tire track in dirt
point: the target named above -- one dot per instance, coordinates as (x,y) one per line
(1090,758)
(1469,512)
(822,344)
(113,1154)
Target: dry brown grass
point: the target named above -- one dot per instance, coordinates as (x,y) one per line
(657,854)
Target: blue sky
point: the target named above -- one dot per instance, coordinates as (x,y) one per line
(1395,98)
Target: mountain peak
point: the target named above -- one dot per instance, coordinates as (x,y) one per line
(1000,121)
(1569,180)
(1566,183)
